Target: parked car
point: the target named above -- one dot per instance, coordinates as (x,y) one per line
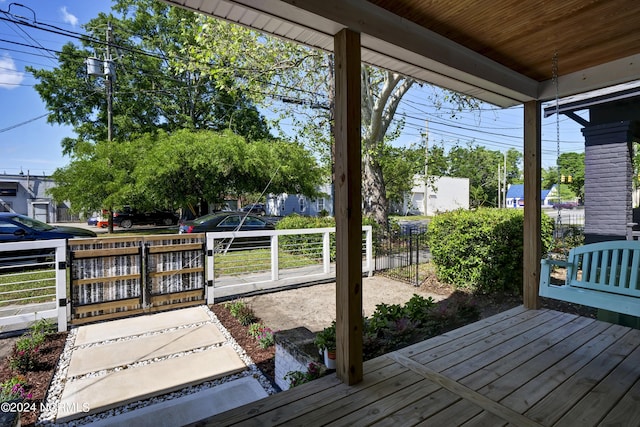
(93,220)
(256,208)
(565,205)
(225,221)
(19,228)
(128,217)
(230,221)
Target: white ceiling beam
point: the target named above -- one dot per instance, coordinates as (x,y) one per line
(425,55)
(445,56)
(612,73)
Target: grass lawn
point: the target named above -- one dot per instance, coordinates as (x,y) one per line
(27,287)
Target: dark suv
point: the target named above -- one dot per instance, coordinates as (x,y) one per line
(256,208)
(128,217)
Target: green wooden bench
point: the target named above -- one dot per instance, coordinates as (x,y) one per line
(603,275)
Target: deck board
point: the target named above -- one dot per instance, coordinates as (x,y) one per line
(566,395)
(626,411)
(528,357)
(521,367)
(420,410)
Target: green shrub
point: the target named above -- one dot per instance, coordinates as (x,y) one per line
(314,371)
(241,311)
(43,326)
(255,329)
(262,334)
(393,326)
(246,316)
(482,250)
(25,353)
(266,338)
(14,389)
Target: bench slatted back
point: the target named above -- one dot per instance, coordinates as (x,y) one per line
(607,267)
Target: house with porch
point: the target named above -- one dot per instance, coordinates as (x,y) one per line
(526,367)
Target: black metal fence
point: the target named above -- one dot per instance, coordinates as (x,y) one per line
(399,251)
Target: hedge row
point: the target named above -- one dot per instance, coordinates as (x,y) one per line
(481,250)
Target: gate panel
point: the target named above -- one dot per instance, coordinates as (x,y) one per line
(106,278)
(175,272)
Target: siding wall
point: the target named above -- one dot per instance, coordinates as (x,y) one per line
(608,178)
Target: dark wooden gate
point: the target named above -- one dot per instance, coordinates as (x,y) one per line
(123,276)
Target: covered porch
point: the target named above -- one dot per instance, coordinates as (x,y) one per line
(521,367)
(524,367)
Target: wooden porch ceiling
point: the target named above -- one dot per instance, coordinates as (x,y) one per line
(499,51)
(521,367)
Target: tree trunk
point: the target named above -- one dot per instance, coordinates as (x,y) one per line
(373,188)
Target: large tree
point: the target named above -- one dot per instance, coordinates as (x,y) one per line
(302,79)
(181,169)
(98,176)
(148,94)
(569,170)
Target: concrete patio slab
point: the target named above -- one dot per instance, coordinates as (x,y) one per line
(117,388)
(122,353)
(140,325)
(191,408)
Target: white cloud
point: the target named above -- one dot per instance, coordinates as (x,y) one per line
(10,77)
(68,17)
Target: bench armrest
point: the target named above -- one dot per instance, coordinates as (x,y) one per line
(545,273)
(554,262)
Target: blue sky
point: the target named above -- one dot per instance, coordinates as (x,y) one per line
(29,143)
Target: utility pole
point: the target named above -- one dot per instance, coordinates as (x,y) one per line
(504,181)
(107,71)
(499,204)
(425,200)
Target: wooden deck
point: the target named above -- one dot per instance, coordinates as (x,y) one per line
(518,368)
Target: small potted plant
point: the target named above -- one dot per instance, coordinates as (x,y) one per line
(326,342)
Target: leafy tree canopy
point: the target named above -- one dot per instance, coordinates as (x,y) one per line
(181,168)
(148,94)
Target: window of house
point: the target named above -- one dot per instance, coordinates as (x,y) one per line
(320,205)
(8,189)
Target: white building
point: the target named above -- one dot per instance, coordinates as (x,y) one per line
(444,194)
(26,194)
(287,204)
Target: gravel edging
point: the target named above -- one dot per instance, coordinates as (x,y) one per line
(54,394)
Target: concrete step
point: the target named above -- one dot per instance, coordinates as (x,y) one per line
(123,353)
(117,388)
(139,325)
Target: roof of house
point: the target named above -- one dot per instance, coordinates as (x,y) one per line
(516,191)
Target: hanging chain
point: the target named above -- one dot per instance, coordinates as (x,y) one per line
(554,71)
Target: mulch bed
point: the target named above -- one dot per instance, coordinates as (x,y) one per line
(38,381)
(263,358)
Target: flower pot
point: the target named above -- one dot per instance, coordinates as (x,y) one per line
(330,359)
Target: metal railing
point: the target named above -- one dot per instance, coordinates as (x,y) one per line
(250,261)
(400,251)
(33,282)
(98,271)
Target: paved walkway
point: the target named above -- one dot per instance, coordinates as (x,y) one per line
(128,360)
